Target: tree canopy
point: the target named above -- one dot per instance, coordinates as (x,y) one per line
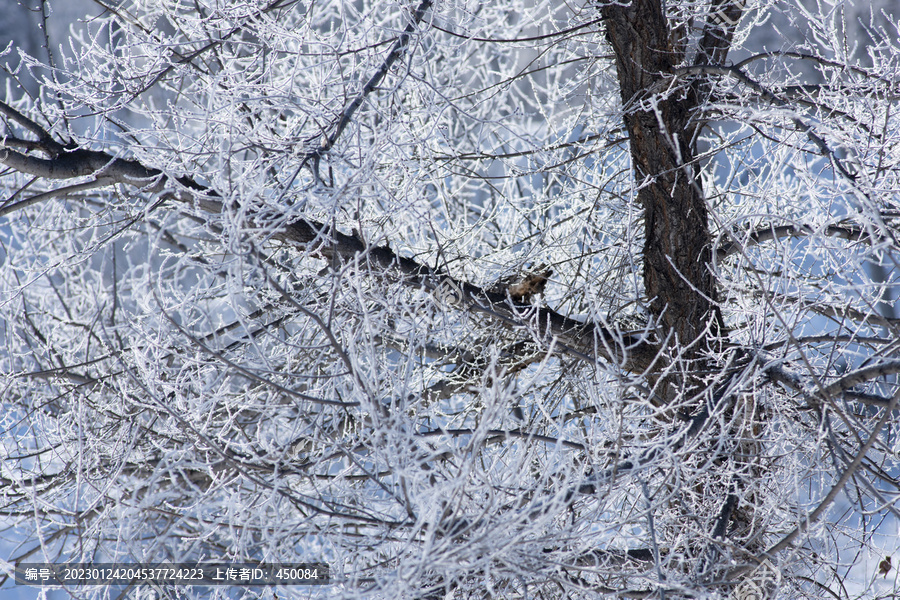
(466,300)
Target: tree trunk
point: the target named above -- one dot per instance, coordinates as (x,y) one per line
(677,277)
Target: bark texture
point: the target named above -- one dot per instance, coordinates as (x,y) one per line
(677,250)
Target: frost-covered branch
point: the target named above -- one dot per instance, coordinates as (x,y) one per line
(485,300)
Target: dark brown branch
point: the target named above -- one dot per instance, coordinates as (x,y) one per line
(505,433)
(79,163)
(770,232)
(45,140)
(585,341)
(393,55)
(862,375)
(777,373)
(719,31)
(536,38)
(582,340)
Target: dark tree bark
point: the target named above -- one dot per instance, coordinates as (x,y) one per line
(677,252)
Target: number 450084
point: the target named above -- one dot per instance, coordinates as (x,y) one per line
(297,574)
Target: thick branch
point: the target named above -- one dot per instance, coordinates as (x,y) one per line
(79,163)
(813,392)
(45,140)
(582,340)
(585,341)
(848,381)
(771,232)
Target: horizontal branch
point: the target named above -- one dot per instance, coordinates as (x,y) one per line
(853,378)
(45,140)
(770,232)
(506,433)
(776,372)
(100,182)
(535,38)
(79,163)
(585,341)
